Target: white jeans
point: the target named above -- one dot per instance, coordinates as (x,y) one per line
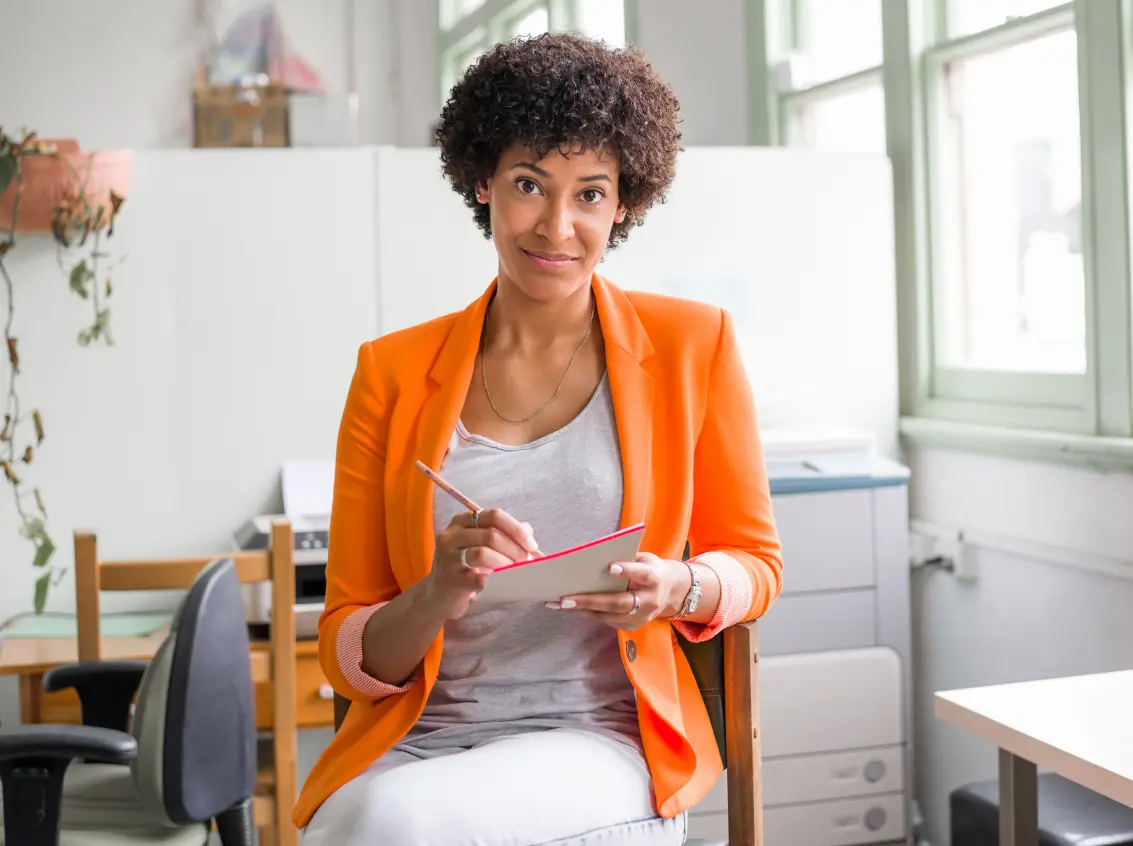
(564,787)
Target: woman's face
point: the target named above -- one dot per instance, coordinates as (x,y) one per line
(551,218)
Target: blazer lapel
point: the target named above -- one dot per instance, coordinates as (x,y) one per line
(449,379)
(631,387)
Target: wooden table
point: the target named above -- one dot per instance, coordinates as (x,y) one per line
(1080,727)
(30,658)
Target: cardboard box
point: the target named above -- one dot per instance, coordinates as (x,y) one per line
(240,116)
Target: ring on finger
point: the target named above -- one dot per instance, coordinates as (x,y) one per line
(476,519)
(464,557)
(636,602)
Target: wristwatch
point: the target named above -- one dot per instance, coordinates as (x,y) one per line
(692,598)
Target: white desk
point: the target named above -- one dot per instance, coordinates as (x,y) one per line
(1080,727)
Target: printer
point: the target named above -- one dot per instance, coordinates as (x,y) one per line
(307,487)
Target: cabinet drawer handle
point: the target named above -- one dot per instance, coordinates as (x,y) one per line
(326,692)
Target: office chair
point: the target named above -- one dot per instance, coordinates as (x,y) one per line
(191,752)
(726,669)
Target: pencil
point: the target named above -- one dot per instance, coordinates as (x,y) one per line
(472,507)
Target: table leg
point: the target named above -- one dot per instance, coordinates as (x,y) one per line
(1018,801)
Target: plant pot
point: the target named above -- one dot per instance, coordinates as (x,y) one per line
(50,180)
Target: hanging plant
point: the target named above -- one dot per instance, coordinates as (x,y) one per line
(51,187)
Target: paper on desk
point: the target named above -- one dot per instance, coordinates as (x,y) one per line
(582,569)
(308,488)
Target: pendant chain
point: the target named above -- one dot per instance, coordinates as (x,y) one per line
(484,372)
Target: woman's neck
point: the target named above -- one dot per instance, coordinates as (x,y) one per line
(521,323)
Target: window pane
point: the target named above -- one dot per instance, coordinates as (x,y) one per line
(838,37)
(534,22)
(453,10)
(602,19)
(458,57)
(852,122)
(1012,292)
(968,16)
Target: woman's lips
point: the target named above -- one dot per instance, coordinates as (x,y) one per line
(549,261)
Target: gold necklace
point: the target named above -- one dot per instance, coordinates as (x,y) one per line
(484,372)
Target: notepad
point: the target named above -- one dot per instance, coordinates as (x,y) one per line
(581,569)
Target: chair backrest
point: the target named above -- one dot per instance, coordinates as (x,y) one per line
(195,721)
(275,665)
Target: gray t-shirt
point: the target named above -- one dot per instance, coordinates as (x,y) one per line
(521,667)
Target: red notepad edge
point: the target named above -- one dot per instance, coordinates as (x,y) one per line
(629,530)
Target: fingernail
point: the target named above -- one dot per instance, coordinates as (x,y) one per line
(567,603)
(615,569)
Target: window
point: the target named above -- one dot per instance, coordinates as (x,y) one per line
(1007,125)
(469,27)
(1011,277)
(830,88)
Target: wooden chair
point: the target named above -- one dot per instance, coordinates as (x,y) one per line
(727,671)
(272,661)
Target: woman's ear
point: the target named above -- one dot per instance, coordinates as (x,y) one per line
(620,214)
(482,193)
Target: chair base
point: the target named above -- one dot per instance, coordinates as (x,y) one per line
(235,826)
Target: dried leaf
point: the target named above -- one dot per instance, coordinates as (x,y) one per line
(37,420)
(13,355)
(9,472)
(39,502)
(41,586)
(109,287)
(59,223)
(116,201)
(6,435)
(29,451)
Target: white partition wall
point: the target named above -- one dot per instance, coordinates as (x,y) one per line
(797,245)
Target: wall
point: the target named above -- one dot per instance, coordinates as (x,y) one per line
(118,73)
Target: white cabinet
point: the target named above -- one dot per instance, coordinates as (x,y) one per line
(835,699)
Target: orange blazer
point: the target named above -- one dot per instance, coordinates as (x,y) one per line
(693,469)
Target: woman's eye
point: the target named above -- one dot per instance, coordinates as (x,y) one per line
(592,195)
(527,186)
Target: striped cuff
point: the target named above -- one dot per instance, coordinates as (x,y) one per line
(348,647)
(735,597)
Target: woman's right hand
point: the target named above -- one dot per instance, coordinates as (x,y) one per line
(494,540)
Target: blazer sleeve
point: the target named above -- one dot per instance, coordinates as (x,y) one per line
(358,570)
(732,526)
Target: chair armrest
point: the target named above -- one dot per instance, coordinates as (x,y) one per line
(105,689)
(64,742)
(33,760)
(741,717)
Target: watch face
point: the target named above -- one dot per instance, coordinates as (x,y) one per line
(694,603)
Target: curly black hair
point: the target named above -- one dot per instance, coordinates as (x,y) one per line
(565,92)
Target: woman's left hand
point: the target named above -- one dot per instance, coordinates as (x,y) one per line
(659,584)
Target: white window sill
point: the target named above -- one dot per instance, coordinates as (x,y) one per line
(1093,451)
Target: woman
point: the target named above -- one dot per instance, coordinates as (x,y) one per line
(570,408)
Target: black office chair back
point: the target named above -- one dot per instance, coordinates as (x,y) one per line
(195,722)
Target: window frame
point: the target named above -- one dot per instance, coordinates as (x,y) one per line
(492,20)
(1085,419)
(788,18)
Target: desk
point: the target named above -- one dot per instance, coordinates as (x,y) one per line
(1080,727)
(30,658)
